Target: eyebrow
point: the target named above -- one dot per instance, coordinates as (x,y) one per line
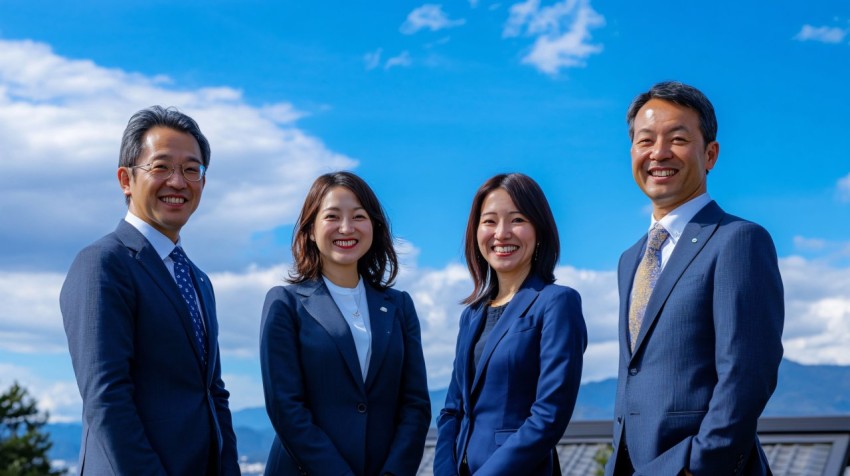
(678,128)
(336,209)
(169,158)
(513,212)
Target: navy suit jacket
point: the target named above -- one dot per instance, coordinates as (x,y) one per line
(508,414)
(707,355)
(327,420)
(149,406)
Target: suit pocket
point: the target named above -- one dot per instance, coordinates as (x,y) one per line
(502,436)
(677,426)
(686,413)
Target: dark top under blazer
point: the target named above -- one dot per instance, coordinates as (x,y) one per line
(329,421)
(508,414)
(149,407)
(707,356)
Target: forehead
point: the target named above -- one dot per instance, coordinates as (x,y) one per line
(165,141)
(339,196)
(498,200)
(659,113)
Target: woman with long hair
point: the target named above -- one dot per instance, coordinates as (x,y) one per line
(519,351)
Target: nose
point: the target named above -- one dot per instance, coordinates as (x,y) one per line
(660,150)
(503,230)
(345,225)
(177,180)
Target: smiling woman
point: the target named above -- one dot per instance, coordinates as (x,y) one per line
(341,351)
(521,342)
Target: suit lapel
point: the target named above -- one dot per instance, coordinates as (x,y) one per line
(150,261)
(205,294)
(465,350)
(696,234)
(630,262)
(516,309)
(319,303)
(381,316)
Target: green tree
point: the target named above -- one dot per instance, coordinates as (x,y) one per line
(23,444)
(601,457)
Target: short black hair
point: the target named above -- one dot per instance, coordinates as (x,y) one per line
(683,95)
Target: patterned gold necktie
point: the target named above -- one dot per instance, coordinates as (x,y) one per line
(645,279)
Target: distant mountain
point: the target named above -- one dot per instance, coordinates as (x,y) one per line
(810,390)
(804,390)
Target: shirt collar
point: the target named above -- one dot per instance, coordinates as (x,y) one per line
(675,221)
(161,243)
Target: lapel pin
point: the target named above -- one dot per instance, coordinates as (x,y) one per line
(383,309)
(693,240)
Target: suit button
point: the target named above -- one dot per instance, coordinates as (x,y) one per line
(633,371)
(361,408)
(619,419)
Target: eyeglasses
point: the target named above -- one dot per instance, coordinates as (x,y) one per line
(193,172)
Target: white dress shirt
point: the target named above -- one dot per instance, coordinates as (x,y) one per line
(350,301)
(163,247)
(675,222)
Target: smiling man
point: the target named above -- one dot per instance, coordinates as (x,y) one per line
(701,307)
(140,319)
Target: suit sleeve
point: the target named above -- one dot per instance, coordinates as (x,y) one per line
(414,413)
(748,318)
(97,302)
(220,397)
(563,340)
(283,385)
(448,422)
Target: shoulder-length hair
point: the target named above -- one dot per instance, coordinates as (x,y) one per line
(531,202)
(378,266)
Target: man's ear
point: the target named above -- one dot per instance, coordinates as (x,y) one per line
(124,180)
(712,151)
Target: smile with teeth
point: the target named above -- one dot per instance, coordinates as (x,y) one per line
(663,172)
(173,200)
(345,243)
(505,248)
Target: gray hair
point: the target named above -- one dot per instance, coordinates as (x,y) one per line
(146,119)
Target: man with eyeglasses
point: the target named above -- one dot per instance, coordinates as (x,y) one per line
(141,323)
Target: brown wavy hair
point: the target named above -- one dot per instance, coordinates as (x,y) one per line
(378,266)
(531,202)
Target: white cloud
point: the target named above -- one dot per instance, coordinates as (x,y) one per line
(809,244)
(372,59)
(823,34)
(63,118)
(403,60)
(430,16)
(561,32)
(817,311)
(843,188)
(30,320)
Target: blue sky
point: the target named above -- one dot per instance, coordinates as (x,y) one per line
(425,101)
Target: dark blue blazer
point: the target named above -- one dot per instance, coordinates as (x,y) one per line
(707,356)
(508,414)
(149,406)
(327,420)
